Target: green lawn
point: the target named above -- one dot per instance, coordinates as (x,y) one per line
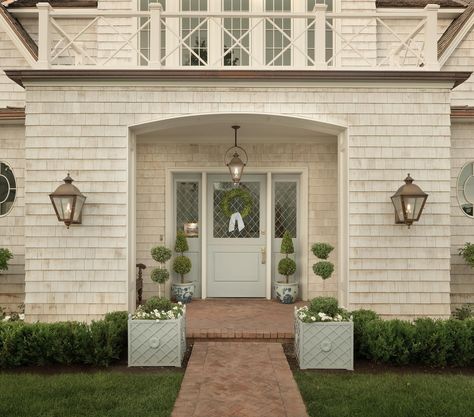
(101,394)
(386,395)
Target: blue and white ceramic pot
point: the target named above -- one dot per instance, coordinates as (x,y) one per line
(183,292)
(286,293)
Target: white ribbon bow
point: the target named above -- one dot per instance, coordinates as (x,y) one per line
(236,217)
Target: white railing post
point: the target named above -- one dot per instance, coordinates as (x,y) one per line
(155,35)
(320,36)
(44,36)
(431,37)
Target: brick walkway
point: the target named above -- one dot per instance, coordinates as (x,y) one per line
(240,380)
(247,319)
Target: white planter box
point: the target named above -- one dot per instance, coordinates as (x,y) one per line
(328,345)
(156,343)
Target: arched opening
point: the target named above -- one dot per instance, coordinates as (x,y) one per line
(297,174)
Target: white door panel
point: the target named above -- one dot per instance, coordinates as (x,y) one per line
(236,260)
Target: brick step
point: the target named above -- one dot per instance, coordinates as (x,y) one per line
(228,335)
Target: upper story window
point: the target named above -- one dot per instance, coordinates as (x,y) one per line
(194,32)
(236,36)
(236,41)
(7,189)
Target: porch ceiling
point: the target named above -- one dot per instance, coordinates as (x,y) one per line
(217,129)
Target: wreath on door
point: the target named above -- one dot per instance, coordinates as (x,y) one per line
(236,194)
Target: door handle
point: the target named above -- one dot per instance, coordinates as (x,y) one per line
(263,251)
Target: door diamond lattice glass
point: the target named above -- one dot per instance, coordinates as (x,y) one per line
(285,208)
(221,221)
(187,207)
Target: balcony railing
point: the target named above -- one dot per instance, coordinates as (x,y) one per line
(238,40)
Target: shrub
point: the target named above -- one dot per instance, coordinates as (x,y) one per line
(390,341)
(160,275)
(322,309)
(324,269)
(157,303)
(326,305)
(286,267)
(360,319)
(287,247)
(429,342)
(461,337)
(161,254)
(467,252)
(322,250)
(5,256)
(182,265)
(464,312)
(100,343)
(181,244)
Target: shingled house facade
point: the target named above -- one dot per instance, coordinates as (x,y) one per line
(337,101)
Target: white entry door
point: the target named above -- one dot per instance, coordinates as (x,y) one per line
(236,258)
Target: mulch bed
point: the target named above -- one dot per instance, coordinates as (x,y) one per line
(117,367)
(368,367)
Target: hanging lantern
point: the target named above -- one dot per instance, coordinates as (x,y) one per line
(409,202)
(68,202)
(233,159)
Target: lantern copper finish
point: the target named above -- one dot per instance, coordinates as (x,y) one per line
(68,202)
(233,159)
(409,202)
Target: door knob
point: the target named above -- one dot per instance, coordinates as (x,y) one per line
(263,251)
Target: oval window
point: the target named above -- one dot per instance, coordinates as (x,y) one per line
(465,189)
(7,189)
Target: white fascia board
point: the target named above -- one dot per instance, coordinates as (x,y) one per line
(17,42)
(467,27)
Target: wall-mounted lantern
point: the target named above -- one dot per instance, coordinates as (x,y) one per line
(68,202)
(409,202)
(233,159)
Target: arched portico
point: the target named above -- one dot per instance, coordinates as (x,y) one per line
(282,148)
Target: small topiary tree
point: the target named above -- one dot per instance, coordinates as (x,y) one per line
(323,268)
(182,264)
(5,256)
(467,252)
(287,266)
(160,275)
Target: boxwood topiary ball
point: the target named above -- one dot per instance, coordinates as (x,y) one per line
(160,275)
(182,265)
(161,254)
(322,250)
(324,269)
(286,267)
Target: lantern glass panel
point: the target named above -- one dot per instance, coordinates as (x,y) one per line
(236,168)
(410,207)
(64,206)
(397,202)
(78,209)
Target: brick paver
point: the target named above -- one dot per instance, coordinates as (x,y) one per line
(248,319)
(240,380)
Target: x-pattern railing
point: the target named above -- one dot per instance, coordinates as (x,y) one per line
(113,38)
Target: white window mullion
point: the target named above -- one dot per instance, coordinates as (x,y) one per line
(257,37)
(215,35)
(298,26)
(173,27)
